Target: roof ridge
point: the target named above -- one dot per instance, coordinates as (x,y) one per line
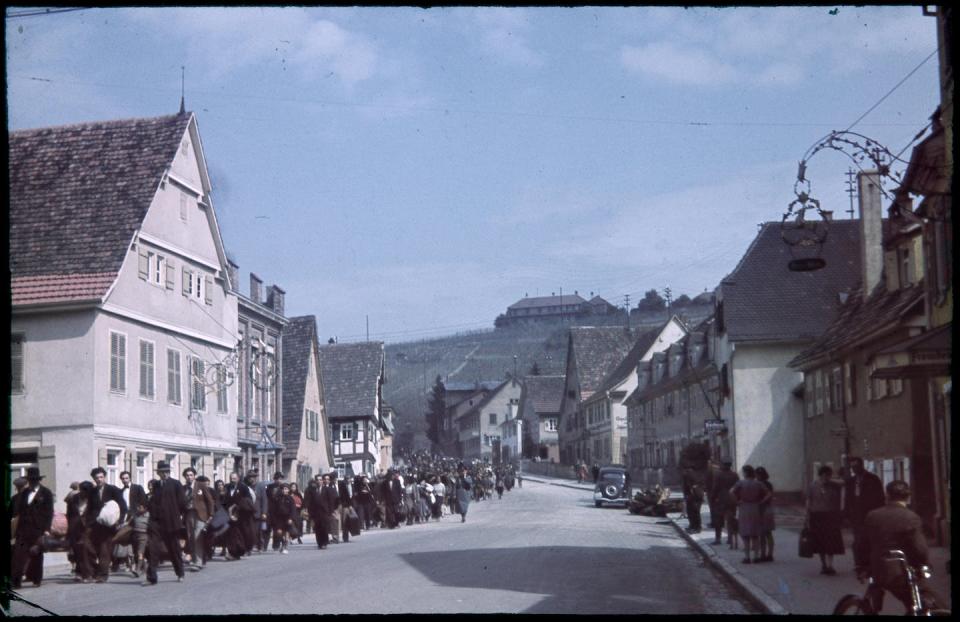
(82,124)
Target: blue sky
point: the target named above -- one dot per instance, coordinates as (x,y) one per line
(427,168)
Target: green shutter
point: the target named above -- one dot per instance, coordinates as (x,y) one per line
(208,290)
(143,265)
(185,281)
(171,274)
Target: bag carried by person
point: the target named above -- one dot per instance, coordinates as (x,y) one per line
(122,537)
(293,531)
(805,545)
(109,514)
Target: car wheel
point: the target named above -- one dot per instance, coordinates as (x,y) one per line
(611,491)
(597,504)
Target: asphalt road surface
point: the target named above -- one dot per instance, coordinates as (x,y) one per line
(540,549)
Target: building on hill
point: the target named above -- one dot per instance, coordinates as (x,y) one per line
(552,308)
(540,412)
(123,320)
(765,316)
(479,425)
(307,448)
(353,378)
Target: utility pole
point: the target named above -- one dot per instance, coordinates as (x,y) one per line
(668,295)
(851,189)
(626,304)
(368,328)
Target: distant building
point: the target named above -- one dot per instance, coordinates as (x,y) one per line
(307,448)
(352,383)
(552,308)
(478,427)
(540,411)
(458,398)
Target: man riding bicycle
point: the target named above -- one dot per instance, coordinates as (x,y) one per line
(893,527)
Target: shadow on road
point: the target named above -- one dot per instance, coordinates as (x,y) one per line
(571,579)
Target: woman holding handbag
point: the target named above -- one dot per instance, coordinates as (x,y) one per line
(824,518)
(298,515)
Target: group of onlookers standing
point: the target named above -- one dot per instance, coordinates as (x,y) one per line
(108,527)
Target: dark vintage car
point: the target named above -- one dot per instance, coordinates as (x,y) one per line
(613,486)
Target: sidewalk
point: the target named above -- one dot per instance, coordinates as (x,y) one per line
(789,584)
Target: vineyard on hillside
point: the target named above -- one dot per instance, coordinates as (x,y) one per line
(412,367)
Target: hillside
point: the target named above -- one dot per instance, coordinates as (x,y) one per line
(412,367)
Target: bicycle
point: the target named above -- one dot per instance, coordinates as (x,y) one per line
(867,605)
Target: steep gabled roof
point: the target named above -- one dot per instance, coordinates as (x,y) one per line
(544,392)
(547,301)
(597,350)
(486,399)
(78,193)
(351,374)
(629,363)
(764,301)
(859,318)
(299,335)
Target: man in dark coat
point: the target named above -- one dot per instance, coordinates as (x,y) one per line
(33,508)
(273,497)
(346,502)
(240,503)
(322,504)
(693,493)
(863,493)
(721,502)
(168,504)
(893,527)
(98,545)
(263,511)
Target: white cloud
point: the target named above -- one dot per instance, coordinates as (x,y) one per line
(676,64)
(230,39)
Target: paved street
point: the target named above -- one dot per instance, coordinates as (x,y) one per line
(541,549)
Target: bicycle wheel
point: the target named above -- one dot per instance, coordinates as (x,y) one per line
(853,605)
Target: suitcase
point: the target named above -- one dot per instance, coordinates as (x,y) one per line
(353,524)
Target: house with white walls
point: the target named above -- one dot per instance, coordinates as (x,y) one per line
(122,313)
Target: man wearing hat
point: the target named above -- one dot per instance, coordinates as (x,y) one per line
(33,508)
(98,538)
(168,504)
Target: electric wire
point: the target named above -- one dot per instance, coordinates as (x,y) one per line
(29,13)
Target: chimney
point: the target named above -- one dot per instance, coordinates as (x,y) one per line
(255,284)
(871,229)
(275,299)
(233,273)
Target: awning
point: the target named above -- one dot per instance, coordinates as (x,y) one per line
(924,356)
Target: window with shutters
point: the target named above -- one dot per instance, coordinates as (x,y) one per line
(174,375)
(346,431)
(198,394)
(118,362)
(850,383)
(114,466)
(147,376)
(836,389)
(158,269)
(16,364)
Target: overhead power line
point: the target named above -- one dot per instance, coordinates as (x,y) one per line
(896,86)
(34,13)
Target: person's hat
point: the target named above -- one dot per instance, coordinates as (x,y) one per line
(278,475)
(33,474)
(163,466)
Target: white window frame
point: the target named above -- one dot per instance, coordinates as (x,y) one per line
(144,472)
(157,269)
(219,468)
(118,383)
(174,378)
(551,424)
(17,359)
(114,470)
(173,459)
(197,281)
(148,383)
(196,463)
(346,431)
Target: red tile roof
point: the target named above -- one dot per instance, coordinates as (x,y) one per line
(60,288)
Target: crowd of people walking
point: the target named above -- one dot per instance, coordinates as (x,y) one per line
(187,523)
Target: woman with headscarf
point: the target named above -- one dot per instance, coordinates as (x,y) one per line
(463,493)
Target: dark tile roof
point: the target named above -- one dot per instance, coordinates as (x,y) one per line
(597,350)
(544,392)
(487,398)
(351,373)
(629,363)
(547,301)
(79,192)
(470,386)
(298,337)
(859,318)
(764,301)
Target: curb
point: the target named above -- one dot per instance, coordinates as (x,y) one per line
(563,484)
(755,595)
